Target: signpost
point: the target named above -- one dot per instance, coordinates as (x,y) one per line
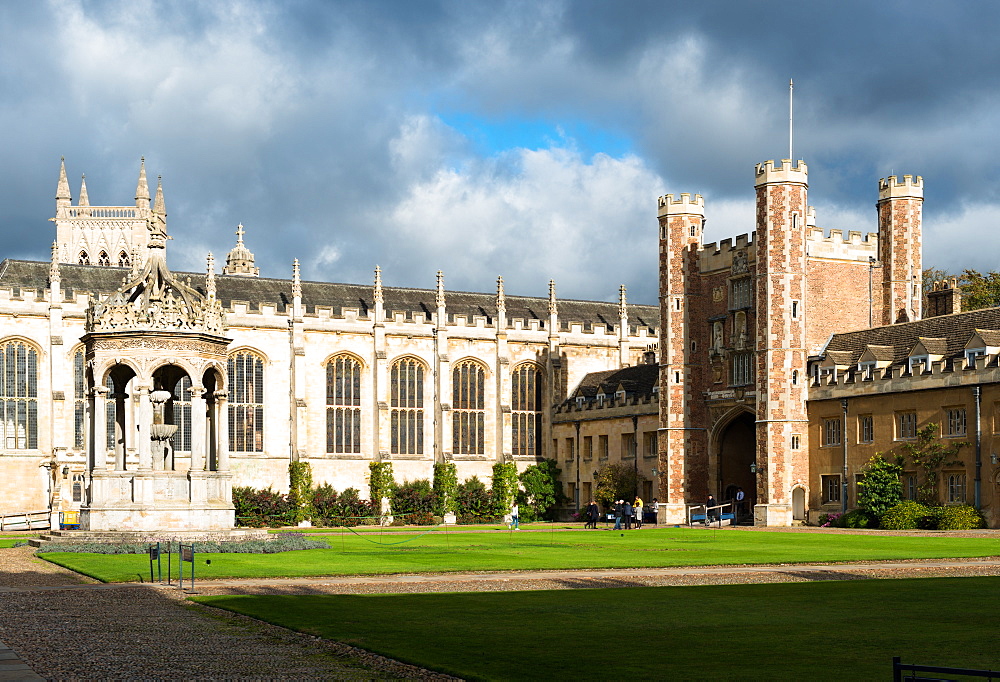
(186,554)
(154,553)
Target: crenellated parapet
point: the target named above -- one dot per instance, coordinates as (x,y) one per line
(720,256)
(767,173)
(892,188)
(855,246)
(944,373)
(681,204)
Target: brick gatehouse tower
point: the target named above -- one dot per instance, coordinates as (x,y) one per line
(740,319)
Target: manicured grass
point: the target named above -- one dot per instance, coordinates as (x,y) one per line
(438,552)
(9,542)
(825,630)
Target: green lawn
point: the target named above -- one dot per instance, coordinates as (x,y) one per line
(824,630)
(9,542)
(438,552)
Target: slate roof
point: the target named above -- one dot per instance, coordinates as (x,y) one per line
(945,335)
(257,290)
(638,380)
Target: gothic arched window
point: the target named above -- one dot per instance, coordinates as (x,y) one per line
(246,402)
(124,261)
(182,414)
(19,395)
(79,400)
(468,408)
(84,258)
(406,388)
(526,408)
(343,405)
(103,259)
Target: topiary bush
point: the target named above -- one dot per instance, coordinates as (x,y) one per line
(960,517)
(907,515)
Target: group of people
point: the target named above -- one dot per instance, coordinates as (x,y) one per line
(627,515)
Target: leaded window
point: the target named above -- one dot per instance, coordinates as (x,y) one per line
(831,432)
(103,259)
(79,401)
(246,402)
(84,258)
(182,415)
(526,408)
(742,368)
(124,261)
(343,405)
(406,388)
(468,403)
(19,395)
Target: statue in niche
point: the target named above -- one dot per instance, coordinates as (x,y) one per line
(740,330)
(739,262)
(717,337)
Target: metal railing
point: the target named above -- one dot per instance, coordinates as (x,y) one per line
(898,670)
(713,514)
(35,520)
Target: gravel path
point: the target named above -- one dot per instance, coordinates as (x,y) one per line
(145,632)
(67,627)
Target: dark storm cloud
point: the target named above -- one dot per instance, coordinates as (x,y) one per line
(321,126)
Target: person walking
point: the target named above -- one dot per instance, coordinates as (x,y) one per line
(637,508)
(514,513)
(627,511)
(618,514)
(593,513)
(711,514)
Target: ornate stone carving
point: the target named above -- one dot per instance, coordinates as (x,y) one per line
(740,262)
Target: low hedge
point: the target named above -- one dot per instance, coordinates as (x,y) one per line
(281,542)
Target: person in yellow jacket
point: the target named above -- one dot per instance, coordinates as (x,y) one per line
(637,510)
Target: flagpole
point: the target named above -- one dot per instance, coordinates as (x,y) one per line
(791,87)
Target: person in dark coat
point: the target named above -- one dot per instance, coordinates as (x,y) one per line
(627,511)
(593,513)
(618,515)
(711,515)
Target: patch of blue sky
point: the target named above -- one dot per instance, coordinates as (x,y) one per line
(493,137)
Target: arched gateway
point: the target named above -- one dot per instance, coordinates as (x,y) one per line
(734,446)
(156,369)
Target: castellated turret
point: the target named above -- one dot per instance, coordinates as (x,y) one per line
(782,210)
(681,221)
(900,210)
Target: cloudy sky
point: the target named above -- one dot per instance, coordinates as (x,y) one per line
(528,139)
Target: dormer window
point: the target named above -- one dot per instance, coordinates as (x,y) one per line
(620,395)
(580,400)
(971,354)
(867,370)
(918,364)
(600,398)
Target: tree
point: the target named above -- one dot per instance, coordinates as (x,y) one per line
(380,481)
(445,487)
(980,290)
(880,490)
(300,492)
(615,482)
(504,487)
(541,490)
(930,455)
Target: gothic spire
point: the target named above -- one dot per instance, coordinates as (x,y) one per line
(240,260)
(142,188)
(622,310)
(63,197)
(377,295)
(296,280)
(54,267)
(439,298)
(552,297)
(84,199)
(210,276)
(158,205)
(501,298)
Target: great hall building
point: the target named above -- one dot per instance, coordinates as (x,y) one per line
(778,361)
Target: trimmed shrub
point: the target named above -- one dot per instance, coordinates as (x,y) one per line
(504,487)
(445,487)
(475,502)
(542,491)
(828,520)
(412,498)
(256,508)
(959,517)
(300,494)
(907,515)
(857,518)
